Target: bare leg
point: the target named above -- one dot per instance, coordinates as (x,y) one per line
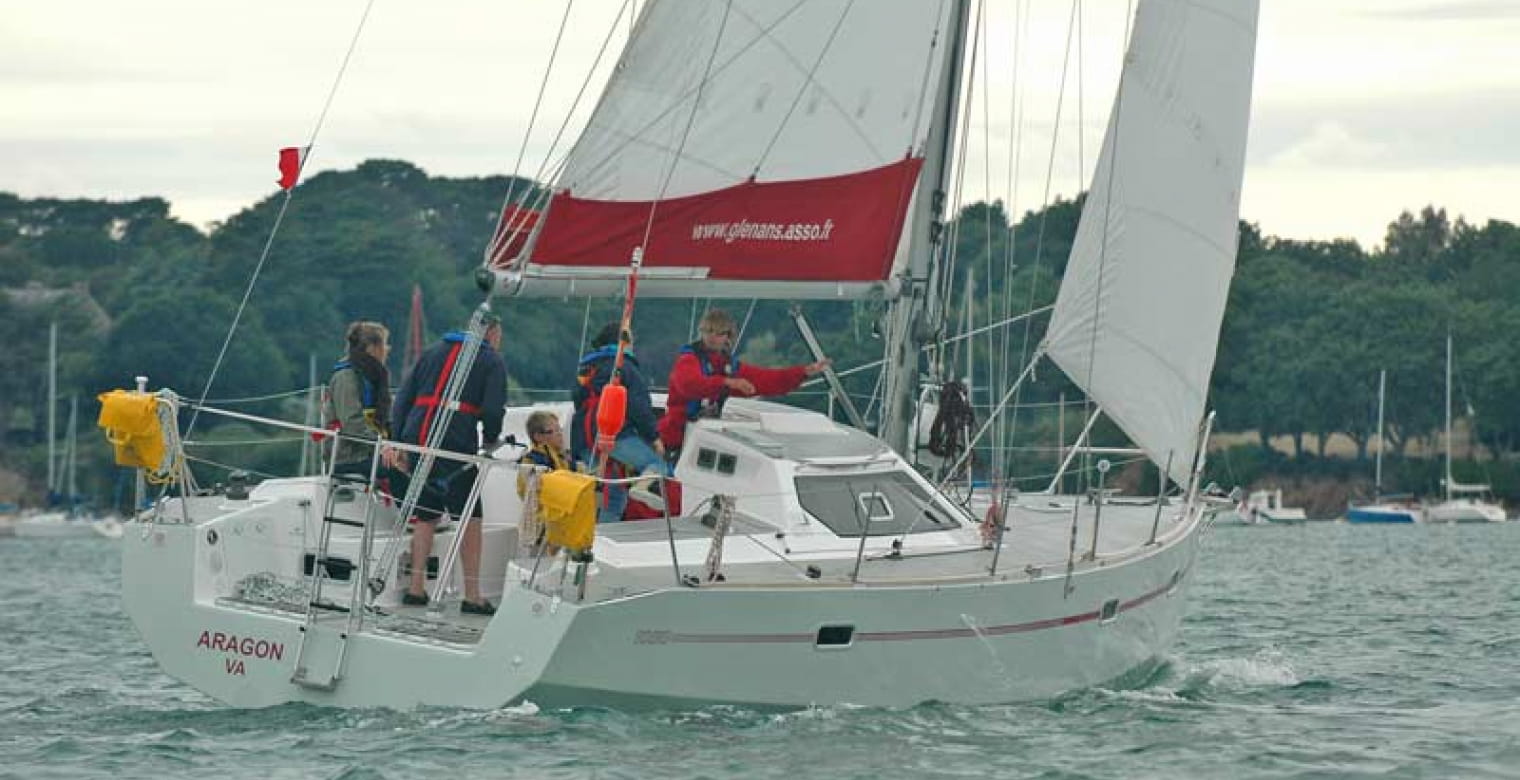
(470,551)
(422,547)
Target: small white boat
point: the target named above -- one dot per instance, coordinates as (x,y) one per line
(1266,506)
(1462,503)
(1466,504)
(53,525)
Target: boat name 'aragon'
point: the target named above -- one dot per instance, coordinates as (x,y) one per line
(247,646)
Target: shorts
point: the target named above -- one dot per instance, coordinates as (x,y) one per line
(447,490)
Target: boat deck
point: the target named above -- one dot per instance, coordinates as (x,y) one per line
(634,558)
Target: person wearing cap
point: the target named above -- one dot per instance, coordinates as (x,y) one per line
(706,373)
(474,425)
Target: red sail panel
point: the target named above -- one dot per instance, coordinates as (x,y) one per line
(840,228)
(512,230)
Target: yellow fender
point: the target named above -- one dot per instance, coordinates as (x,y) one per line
(130,422)
(568,500)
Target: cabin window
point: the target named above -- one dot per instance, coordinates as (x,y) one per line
(1110,611)
(875,507)
(726,463)
(706,458)
(880,504)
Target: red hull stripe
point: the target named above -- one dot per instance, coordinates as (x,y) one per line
(900,636)
(840,228)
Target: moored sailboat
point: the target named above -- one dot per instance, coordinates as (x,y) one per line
(1460,503)
(815,564)
(1381,509)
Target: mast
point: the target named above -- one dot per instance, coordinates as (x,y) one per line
(52,407)
(70,477)
(1448,416)
(413,331)
(915,315)
(1377,478)
(312,418)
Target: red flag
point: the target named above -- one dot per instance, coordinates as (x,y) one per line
(291,160)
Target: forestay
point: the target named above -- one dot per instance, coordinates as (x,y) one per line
(775,145)
(1137,319)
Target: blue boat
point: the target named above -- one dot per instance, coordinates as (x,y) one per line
(1382,513)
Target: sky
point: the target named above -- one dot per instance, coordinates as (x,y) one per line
(1362,109)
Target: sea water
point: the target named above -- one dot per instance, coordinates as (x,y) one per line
(1322,650)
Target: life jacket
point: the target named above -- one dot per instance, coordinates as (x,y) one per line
(588,394)
(367,398)
(366,387)
(546,456)
(456,339)
(697,406)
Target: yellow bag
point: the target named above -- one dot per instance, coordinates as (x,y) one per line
(568,499)
(131,425)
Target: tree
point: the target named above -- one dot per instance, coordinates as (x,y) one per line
(172,336)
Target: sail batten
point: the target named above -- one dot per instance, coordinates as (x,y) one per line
(1136,322)
(759,142)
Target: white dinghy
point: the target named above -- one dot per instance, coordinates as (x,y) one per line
(814,564)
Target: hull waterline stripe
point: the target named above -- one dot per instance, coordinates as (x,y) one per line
(939,633)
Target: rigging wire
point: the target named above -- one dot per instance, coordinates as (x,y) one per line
(1007,428)
(950,248)
(548,170)
(522,150)
(1092,349)
(258,268)
(1039,243)
(637,135)
(828,44)
(691,119)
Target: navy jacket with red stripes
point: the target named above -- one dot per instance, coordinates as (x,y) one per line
(483,400)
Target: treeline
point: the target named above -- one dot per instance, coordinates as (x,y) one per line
(136,292)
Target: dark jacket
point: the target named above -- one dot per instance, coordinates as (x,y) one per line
(483,400)
(595,372)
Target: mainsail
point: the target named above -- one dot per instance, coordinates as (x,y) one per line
(765,148)
(1137,319)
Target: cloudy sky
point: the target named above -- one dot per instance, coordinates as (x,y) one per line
(1363,108)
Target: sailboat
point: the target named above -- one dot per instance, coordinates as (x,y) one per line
(1462,503)
(1382,510)
(753,149)
(67,519)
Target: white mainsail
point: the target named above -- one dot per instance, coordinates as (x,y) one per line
(795,90)
(768,142)
(1137,319)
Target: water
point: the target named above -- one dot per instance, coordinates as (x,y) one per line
(1319,651)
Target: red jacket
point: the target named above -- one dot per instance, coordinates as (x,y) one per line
(692,388)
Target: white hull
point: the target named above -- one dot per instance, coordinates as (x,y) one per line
(866,629)
(1463,510)
(1015,638)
